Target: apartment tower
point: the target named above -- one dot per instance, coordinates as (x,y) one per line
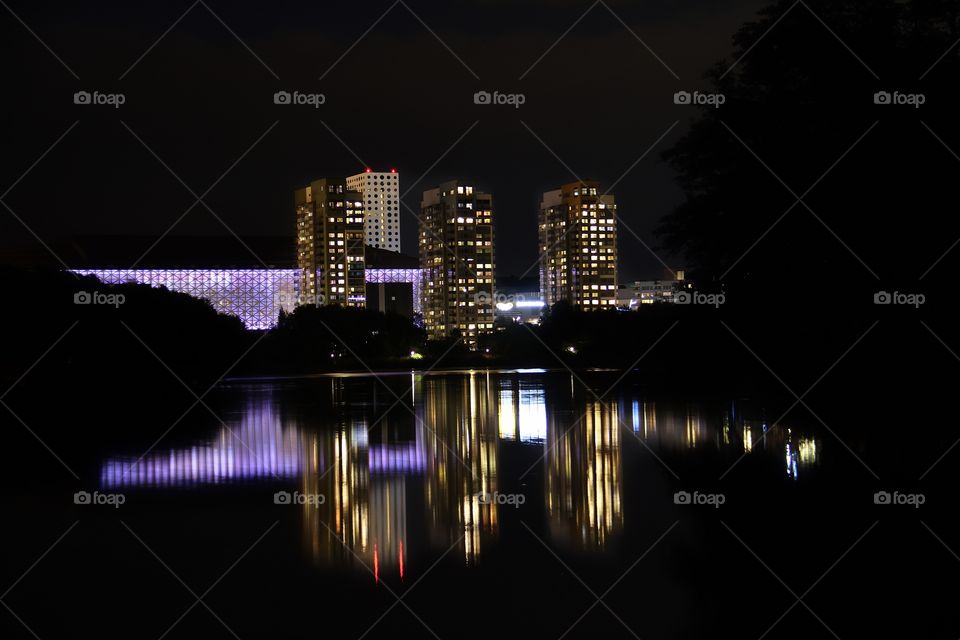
(578,246)
(380,192)
(456,261)
(330,244)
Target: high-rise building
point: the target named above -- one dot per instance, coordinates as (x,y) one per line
(330,247)
(381,207)
(578,246)
(456,260)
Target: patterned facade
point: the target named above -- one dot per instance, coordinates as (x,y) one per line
(256,296)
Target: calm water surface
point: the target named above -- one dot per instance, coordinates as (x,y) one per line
(403,468)
(454,504)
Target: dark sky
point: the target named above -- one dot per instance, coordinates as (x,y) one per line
(398,98)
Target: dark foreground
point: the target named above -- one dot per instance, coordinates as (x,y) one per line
(521,504)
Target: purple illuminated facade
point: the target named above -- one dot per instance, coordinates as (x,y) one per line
(256,296)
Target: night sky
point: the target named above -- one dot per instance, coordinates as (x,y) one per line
(199,99)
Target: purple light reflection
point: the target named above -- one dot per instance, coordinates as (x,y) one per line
(258,448)
(405,458)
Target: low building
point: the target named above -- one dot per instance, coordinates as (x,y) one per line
(518,300)
(630,296)
(393,282)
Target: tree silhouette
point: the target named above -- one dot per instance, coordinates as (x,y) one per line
(800,122)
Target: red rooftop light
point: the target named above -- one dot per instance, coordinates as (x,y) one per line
(368,170)
(393,170)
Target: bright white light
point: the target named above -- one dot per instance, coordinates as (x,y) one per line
(530,304)
(505,306)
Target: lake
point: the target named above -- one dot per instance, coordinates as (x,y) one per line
(456,504)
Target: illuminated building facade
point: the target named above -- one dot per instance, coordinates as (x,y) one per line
(380,191)
(456,256)
(330,244)
(578,246)
(256,296)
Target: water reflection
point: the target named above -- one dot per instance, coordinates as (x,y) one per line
(583,478)
(260,446)
(459,418)
(419,478)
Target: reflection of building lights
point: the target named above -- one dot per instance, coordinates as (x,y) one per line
(507,415)
(274,451)
(792,470)
(583,478)
(533,414)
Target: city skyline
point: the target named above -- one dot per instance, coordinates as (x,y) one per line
(483,143)
(551,319)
